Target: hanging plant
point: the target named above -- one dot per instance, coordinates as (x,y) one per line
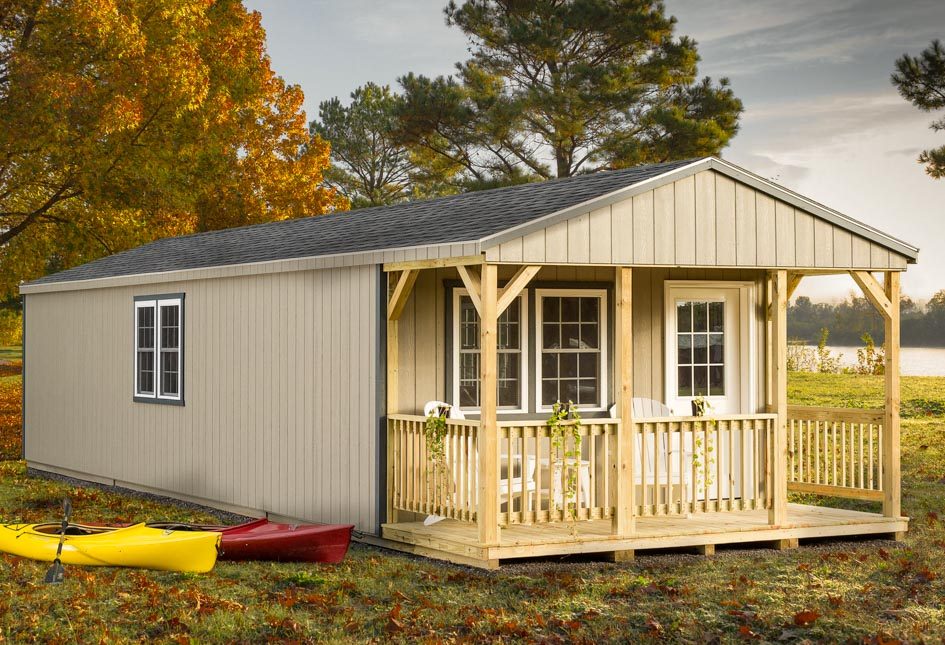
(565,433)
(434,431)
(704,467)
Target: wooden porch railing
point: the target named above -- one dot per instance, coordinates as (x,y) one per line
(836,452)
(703,464)
(418,485)
(682,466)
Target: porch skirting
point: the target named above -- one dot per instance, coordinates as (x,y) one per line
(458,541)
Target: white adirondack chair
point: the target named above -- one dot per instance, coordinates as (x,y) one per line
(514,481)
(668,453)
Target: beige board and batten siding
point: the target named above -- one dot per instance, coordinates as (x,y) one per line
(706,219)
(280,374)
(423,345)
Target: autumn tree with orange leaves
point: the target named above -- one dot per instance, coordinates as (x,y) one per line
(125,121)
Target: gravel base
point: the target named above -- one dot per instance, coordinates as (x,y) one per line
(223,517)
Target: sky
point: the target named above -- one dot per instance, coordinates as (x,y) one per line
(821,116)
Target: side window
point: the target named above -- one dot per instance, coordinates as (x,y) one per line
(159,349)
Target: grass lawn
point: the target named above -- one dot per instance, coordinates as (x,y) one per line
(11,353)
(867,591)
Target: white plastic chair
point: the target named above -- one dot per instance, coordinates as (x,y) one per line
(510,485)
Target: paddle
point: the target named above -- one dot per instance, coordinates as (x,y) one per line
(56,572)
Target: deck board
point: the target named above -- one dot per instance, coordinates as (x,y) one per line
(455,540)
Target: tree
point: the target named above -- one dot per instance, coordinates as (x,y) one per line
(921,81)
(370,166)
(559,87)
(121,122)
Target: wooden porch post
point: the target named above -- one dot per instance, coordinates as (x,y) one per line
(777,514)
(488,511)
(397,295)
(623,520)
(891,474)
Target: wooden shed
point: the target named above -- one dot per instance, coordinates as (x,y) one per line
(285,368)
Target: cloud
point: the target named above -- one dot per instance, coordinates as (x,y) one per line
(756,37)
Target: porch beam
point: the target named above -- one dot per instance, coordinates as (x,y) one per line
(488,463)
(625,503)
(398,298)
(777,514)
(472,281)
(874,292)
(891,472)
(794,281)
(514,286)
(434,263)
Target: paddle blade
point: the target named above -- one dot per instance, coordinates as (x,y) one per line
(55,574)
(67,508)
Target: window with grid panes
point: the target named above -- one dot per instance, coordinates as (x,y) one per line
(700,347)
(158,348)
(570,349)
(509,366)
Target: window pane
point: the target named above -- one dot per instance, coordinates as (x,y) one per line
(684,376)
(590,309)
(570,336)
(509,394)
(717,316)
(469,395)
(684,347)
(551,309)
(589,336)
(549,365)
(699,354)
(568,363)
(551,336)
(684,316)
(469,367)
(717,380)
(170,377)
(700,380)
(569,391)
(146,372)
(587,366)
(587,392)
(700,316)
(570,309)
(170,336)
(549,391)
(716,348)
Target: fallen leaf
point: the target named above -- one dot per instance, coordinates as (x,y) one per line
(804,618)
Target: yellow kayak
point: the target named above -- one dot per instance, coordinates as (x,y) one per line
(135,546)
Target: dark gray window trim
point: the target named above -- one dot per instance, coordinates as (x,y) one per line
(134,326)
(531,412)
(380,398)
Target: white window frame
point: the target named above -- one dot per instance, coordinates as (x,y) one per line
(604,343)
(524,354)
(155,303)
(747,362)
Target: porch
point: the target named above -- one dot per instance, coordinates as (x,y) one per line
(506,486)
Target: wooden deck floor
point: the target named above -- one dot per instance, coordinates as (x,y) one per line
(458,541)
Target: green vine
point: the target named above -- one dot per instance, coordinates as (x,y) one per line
(434,430)
(564,424)
(700,408)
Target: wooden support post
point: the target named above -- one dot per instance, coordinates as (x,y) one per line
(708,550)
(627,555)
(769,345)
(625,503)
(398,294)
(488,512)
(777,514)
(891,474)
(785,544)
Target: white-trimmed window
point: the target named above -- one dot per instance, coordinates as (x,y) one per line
(571,333)
(512,367)
(159,343)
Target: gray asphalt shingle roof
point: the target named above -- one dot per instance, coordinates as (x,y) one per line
(468,217)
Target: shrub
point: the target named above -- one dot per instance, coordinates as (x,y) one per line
(11,327)
(870,359)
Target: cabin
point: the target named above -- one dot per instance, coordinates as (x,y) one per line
(403,368)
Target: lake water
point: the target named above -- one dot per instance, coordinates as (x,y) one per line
(916,361)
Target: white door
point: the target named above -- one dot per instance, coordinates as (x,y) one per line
(707,348)
(708,353)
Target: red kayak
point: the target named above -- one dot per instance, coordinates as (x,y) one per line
(265,540)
